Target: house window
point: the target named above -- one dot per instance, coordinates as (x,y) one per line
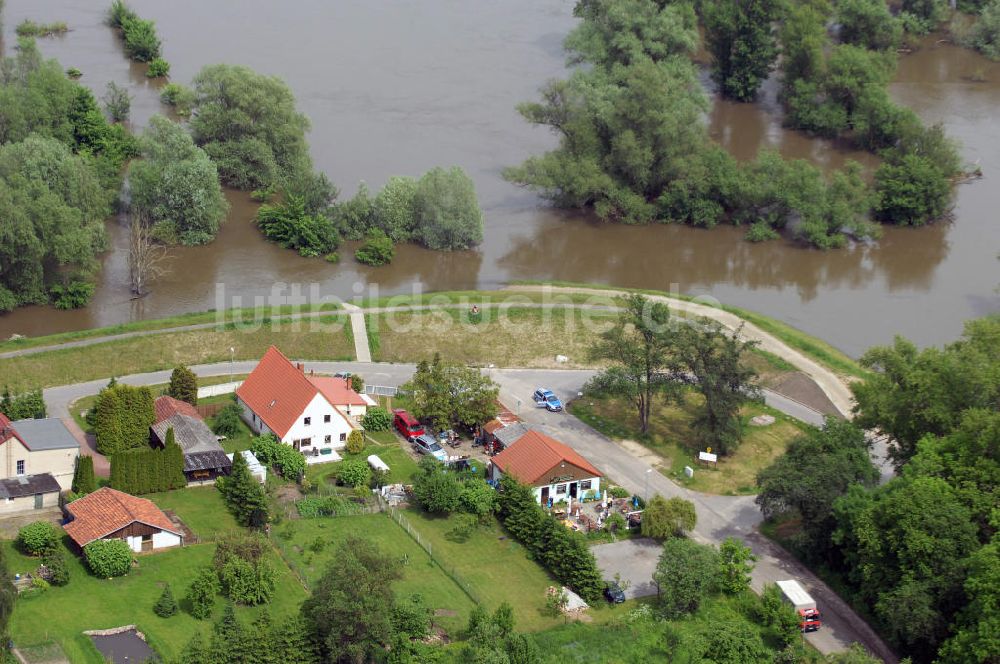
(328,439)
(343,437)
(307,421)
(585,485)
(326,419)
(305,442)
(561,489)
(20,467)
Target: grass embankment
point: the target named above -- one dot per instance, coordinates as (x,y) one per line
(670,438)
(60,615)
(816,348)
(322,339)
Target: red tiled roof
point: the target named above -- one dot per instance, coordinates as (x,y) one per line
(7,431)
(532,456)
(106,510)
(166,407)
(335,391)
(276,391)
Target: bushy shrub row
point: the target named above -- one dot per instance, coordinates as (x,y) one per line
(312,507)
(141,41)
(149,470)
(288,461)
(121,418)
(563,552)
(245,574)
(376,419)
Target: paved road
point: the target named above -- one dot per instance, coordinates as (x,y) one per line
(718,516)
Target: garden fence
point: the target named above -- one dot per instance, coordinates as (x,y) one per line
(426,545)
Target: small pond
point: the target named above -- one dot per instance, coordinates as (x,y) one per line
(123,647)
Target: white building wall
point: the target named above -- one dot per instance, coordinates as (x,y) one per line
(317,429)
(27,503)
(59,463)
(135,543)
(256,424)
(163,540)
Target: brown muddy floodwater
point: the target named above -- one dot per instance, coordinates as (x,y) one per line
(397,87)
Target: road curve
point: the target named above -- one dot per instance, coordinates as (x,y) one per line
(718,516)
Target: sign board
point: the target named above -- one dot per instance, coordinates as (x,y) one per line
(708,456)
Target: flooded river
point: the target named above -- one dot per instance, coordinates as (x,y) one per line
(396,87)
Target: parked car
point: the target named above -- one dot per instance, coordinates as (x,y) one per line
(426,444)
(343,374)
(407,425)
(614,593)
(547,400)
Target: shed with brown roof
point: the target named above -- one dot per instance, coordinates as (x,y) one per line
(111,514)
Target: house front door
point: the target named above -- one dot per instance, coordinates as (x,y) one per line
(572,489)
(39,499)
(545,496)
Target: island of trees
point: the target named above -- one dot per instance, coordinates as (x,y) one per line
(634,146)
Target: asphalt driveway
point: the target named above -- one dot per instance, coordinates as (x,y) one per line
(634,559)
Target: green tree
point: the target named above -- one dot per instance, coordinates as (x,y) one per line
(83,476)
(446,211)
(25,406)
(912,191)
(663,518)
(376,419)
(243,494)
(639,348)
(175,186)
(291,225)
(867,23)
(735,565)
(628,31)
(355,442)
(183,385)
(201,593)
(228,421)
(817,468)
(394,209)
(712,358)
(248,124)
(913,393)
(350,609)
(117,102)
(108,558)
(976,632)
(740,36)
(122,417)
(55,560)
(166,605)
(684,575)
(8,595)
(354,473)
(478,498)
(377,249)
(436,489)
(451,395)
(985,33)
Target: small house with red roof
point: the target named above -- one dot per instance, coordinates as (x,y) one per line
(37,459)
(553,469)
(313,414)
(111,514)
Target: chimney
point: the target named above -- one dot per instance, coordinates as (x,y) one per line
(311,372)
(348,379)
(301,367)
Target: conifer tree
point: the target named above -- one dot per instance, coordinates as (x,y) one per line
(166,606)
(83,476)
(183,385)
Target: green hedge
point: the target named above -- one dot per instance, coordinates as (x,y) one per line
(121,418)
(149,470)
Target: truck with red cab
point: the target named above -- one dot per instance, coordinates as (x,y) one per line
(803,603)
(407,425)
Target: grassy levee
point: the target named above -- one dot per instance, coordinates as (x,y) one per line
(817,349)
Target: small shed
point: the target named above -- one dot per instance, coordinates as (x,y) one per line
(257,469)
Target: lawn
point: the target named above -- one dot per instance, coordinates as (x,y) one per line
(387,445)
(495,566)
(309,544)
(200,508)
(670,438)
(60,615)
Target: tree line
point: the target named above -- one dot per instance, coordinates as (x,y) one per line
(920,553)
(634,146)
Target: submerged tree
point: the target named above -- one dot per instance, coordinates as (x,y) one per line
(146,257)
(741,38)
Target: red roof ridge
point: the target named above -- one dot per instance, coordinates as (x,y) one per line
(535,453)
(167,406)
(7,427)
(277,391)
(107,510)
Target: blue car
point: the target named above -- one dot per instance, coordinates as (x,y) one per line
(547,400)
(425,444)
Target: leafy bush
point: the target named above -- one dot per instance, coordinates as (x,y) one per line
(74,73)
(179,96)
(201,593)
(912,190)
(446,211)
(28,28)
(478,498)
(74,295)
(376,419)
(377,249)
(37,538)
(354,472)
(436,489)
(618,492)
(664,518)
(356,442)
(157,67)
(248,583)
(293,227)
(288,461)
(25,406)
(166,605)
(228,421)
(685,574)
(985,33)
(117,102)
(108,558)
(55,561)
(141,41)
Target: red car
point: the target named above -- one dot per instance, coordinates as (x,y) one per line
(407,424)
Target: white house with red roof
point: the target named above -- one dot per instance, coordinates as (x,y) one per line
(554,470)
(314,414)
